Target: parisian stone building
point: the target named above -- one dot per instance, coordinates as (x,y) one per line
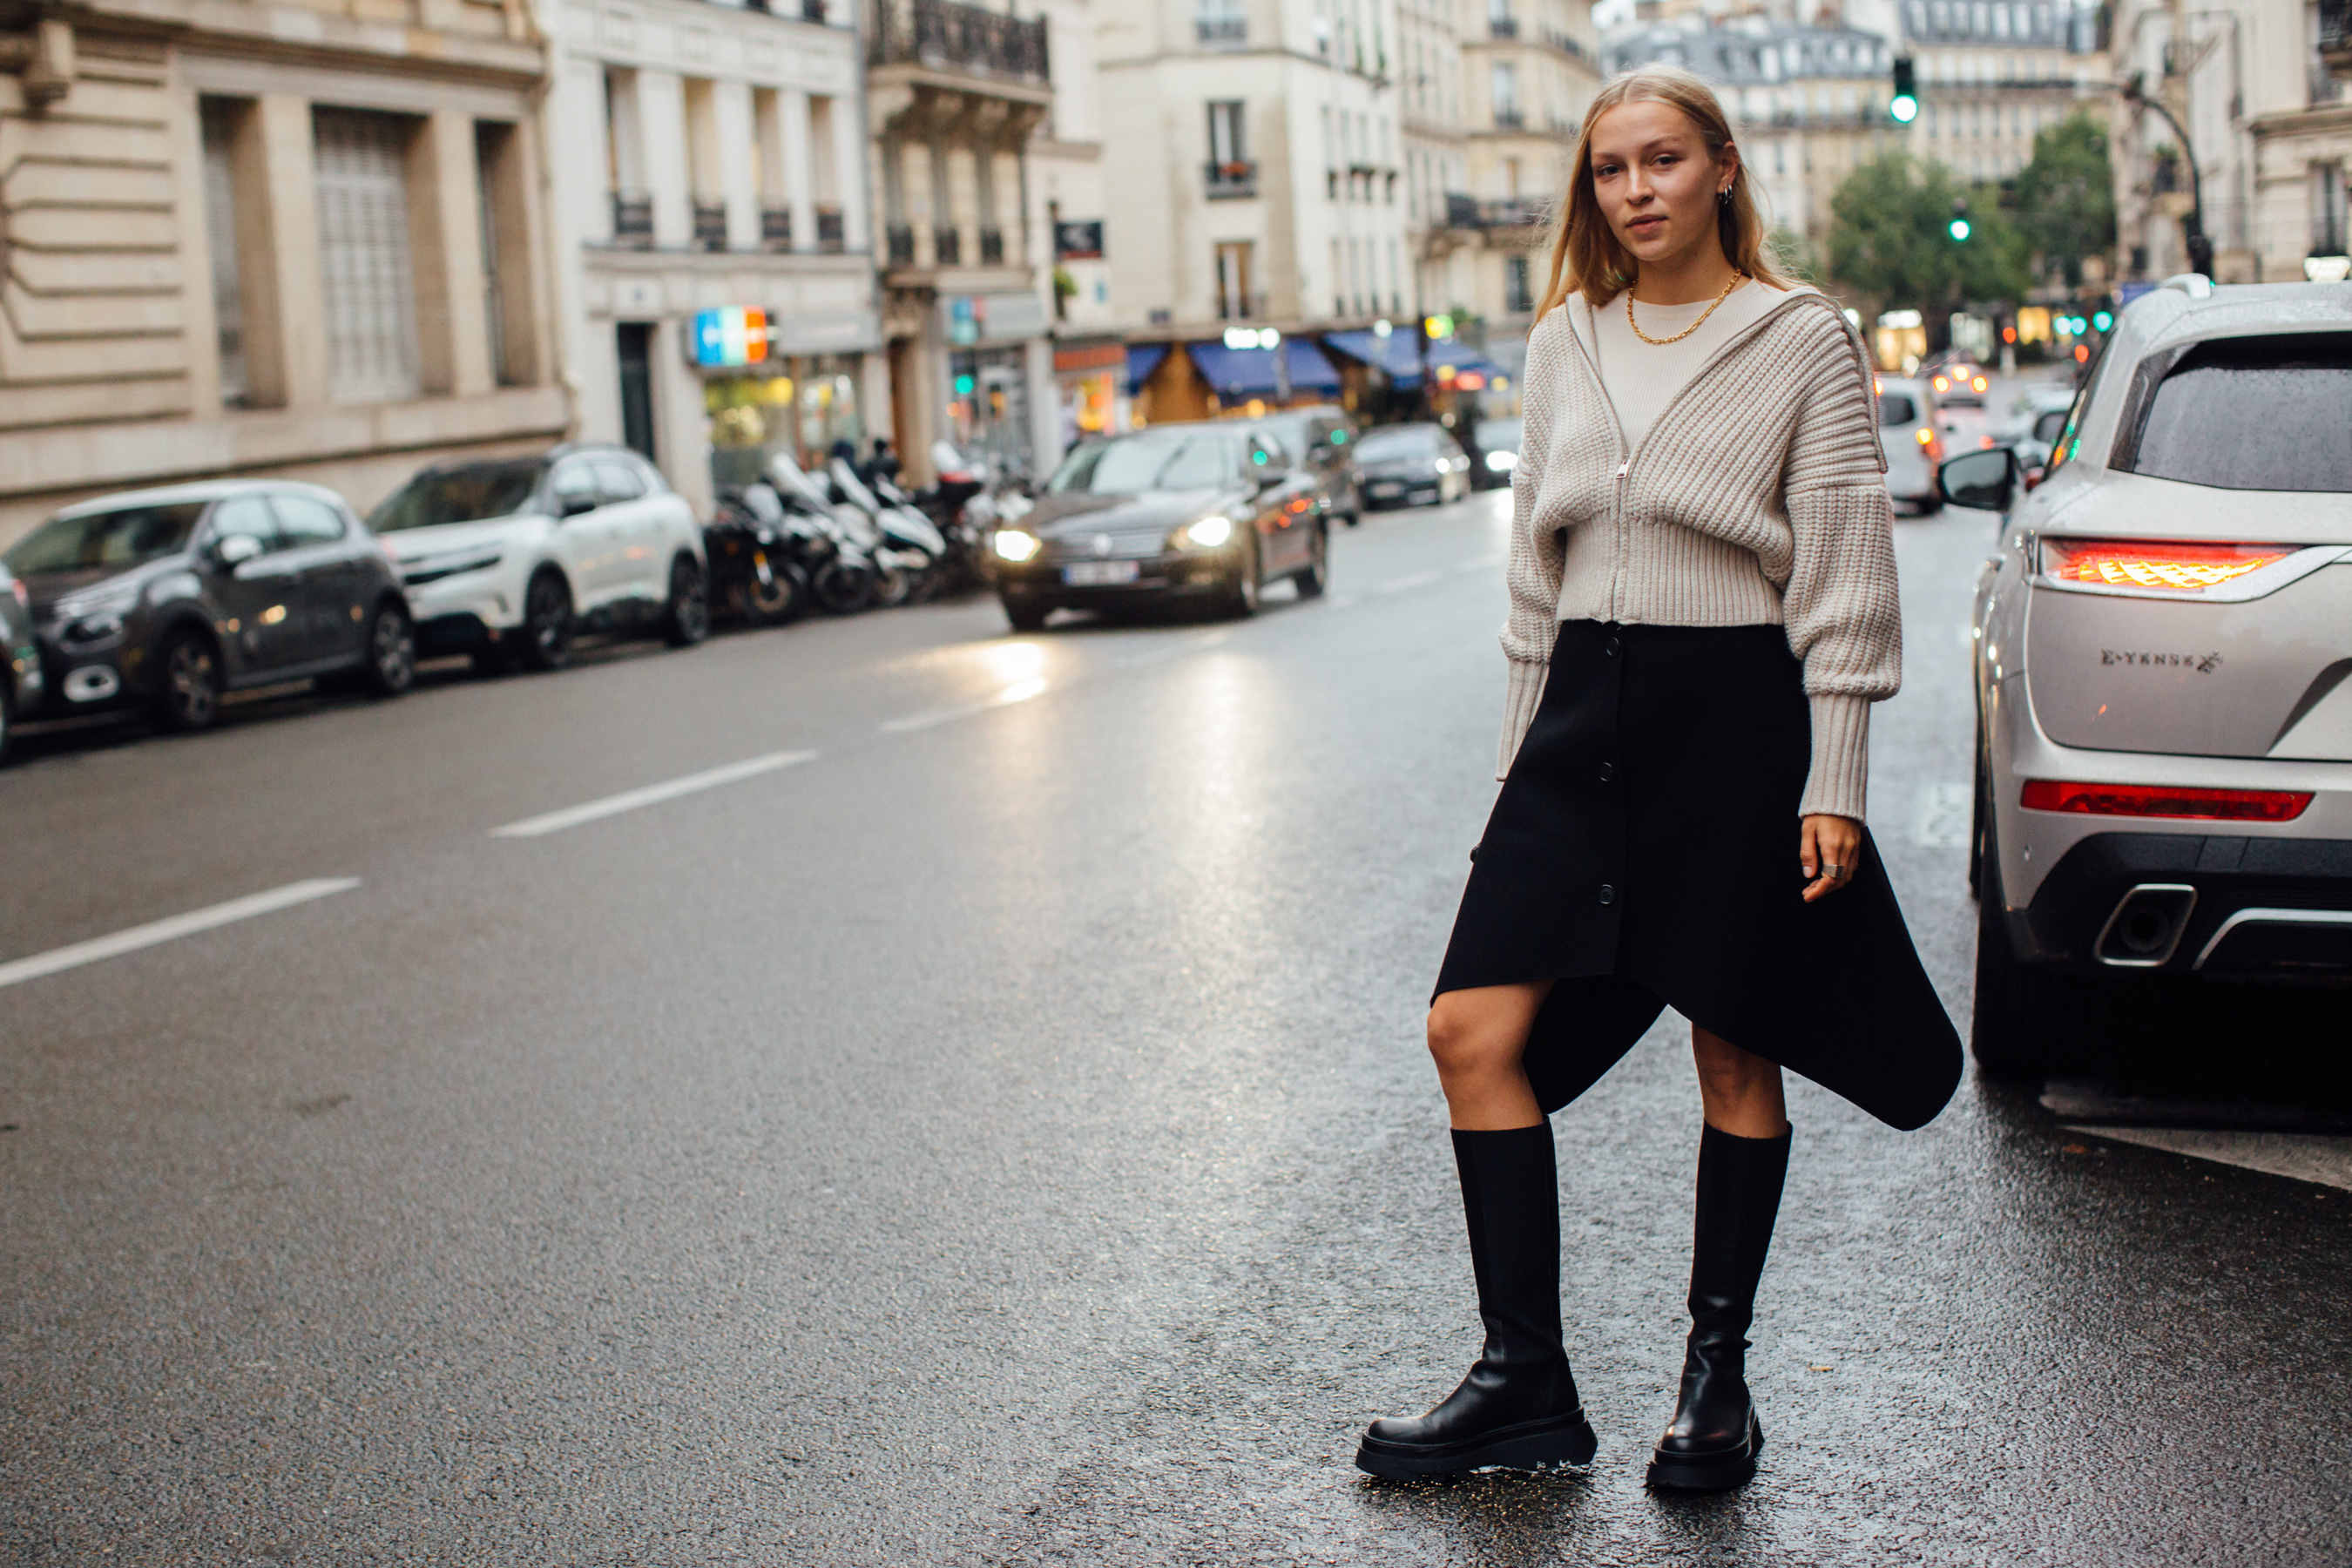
(269,236)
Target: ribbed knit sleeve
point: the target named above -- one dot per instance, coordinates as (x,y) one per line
(1532,572)
(1841,606)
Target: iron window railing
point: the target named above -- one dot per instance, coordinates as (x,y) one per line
(946,35)
(776,227)
(1502,27)
(947,246)
(711,224)
(900,240)
(1230,180)
(633,220)
(1509,119)
(991,248)
(1225,30)
(831,235)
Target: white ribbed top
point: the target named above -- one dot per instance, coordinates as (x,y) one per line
(1758,497)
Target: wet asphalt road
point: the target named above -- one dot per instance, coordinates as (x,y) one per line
(1003,1137)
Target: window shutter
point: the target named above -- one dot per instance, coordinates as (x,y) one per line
(370,285)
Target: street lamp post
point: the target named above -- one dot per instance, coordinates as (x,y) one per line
(2192,227)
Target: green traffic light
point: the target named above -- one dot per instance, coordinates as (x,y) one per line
(963,386)
(1903,107)
(2103,320)
(1960,228)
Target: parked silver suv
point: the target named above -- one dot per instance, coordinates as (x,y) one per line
(2164,756)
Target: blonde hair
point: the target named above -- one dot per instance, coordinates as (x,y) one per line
(1585,255)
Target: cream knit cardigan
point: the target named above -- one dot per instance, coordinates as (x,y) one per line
(1758,497)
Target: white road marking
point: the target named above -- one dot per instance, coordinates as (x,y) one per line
(1479,564)
(1942,819)
(651,794)
(1418,580)
(163,930)
(2303,1156)
(1019,692)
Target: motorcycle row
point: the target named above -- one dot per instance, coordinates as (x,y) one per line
(841,542)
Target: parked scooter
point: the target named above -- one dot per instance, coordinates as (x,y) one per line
(826,537)
(904,546)
(753,565)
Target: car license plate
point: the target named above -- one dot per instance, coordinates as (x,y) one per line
(1101,573)
(1388,489)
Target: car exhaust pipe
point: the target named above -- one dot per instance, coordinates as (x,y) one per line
(2147,926)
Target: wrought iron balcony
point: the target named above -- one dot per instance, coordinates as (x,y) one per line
(1507,118)
(944,36)
(1502,27)
(776,227)
(1461,210)
(633,220)
(812,10)
(1511,212)
(1233,179)
(831,235)
(711,224)
(1565,44)
(1222,31)
(947,246)
(2336,37)
(991,248)
(900,240)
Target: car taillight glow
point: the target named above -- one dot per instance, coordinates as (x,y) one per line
(1943,384)
(2166,800)
(1927,437)
(1979,383)
(2153,564)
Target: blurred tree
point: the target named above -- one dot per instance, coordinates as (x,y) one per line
(2067,197)
(1794,253)
(1892,237)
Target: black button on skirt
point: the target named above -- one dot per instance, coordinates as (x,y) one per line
(1643,852)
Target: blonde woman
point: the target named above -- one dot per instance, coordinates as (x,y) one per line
(1702,608)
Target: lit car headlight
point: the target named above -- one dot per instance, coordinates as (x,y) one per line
(1013,545)
(1206,534)
(1502,462)
(1442,466)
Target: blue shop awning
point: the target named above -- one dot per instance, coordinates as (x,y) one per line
(1395,354)
(1142,359)
(1250,373)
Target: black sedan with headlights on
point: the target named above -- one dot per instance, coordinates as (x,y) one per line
(1210,513)
(1411,465)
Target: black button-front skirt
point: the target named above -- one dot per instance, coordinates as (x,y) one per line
(1643,852)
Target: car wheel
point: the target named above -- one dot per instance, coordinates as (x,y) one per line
(685,621)
(1027,615)
(390,652)
(1312,578)
(188,696)
(544,638)
(1241,598)
(2027,1023)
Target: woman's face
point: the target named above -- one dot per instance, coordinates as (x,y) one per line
(1655,181)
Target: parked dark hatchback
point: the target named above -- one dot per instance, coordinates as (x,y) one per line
(1323,438)
(1209,511)
(170,598)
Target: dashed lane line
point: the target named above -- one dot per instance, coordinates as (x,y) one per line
(650,794)
(1399,584)
(1019,692)
(163,930)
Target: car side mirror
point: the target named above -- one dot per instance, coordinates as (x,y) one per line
(573,505)
(234,550)
(1985,481)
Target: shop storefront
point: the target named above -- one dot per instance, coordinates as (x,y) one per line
(762,398)
(1091,382)
(989,408)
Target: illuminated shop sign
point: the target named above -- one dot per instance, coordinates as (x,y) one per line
(730,335)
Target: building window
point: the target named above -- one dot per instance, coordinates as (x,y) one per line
(632,343)
(2328,209)
(1234,281)
(369,283)
(624,174)
(220,127)
(1222,21)
(1506,84)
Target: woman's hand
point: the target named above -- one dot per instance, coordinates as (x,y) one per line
(1830,848)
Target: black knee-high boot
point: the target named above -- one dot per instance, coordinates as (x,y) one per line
(1712,1441)
(1517,1409)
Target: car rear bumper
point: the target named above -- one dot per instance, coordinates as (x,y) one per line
(2221,906)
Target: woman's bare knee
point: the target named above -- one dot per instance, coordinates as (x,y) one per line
(1475,1032)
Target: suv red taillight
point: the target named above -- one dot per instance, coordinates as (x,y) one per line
(2164,565)
(2166,800)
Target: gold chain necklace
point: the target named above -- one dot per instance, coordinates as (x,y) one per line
(1736,278)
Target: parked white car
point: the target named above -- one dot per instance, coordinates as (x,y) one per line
(1908,434)
(2164,752)
(506,559)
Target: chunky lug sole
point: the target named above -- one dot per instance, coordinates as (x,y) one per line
(1528,1446)
(1717,1472)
